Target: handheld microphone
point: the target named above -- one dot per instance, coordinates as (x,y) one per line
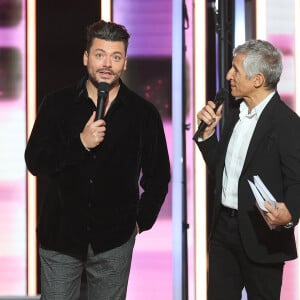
(219,99)
(103,89)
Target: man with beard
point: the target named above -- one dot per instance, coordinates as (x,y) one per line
(93,206)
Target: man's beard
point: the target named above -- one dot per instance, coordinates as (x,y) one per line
(95,81)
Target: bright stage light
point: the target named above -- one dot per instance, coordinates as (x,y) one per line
(200,168)
(31,180)
(106,10)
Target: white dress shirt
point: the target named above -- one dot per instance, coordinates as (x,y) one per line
(237,150)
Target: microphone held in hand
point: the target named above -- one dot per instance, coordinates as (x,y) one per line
(103,89)
(222,95)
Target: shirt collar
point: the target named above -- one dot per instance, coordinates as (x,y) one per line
(81,89)
(257,110)
(82,93)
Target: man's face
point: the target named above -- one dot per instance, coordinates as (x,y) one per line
(241,86)
(105,61)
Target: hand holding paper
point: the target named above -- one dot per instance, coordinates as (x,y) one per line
(262,194)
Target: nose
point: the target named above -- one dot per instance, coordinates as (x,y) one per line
(229,74)
(107,61)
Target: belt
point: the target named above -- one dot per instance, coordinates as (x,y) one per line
(230,211)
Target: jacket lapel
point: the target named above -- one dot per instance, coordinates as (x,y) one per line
(263,126)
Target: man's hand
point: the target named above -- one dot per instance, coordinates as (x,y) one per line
(279,215)
(93,132)
(210,117)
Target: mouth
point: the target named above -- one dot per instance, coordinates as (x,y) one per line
(105,72)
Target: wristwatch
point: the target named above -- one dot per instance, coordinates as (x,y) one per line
(289,225)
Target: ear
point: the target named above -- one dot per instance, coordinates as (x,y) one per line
(125,64)
(85,58)
(259,80)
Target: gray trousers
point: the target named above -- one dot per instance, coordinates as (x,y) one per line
(107,273)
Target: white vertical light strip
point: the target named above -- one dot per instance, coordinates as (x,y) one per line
(177,180)
(200,168)
(239,23)
(261,19)
(31,180)
(105,10)
(297,104)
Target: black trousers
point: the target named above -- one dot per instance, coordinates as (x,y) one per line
(230,270)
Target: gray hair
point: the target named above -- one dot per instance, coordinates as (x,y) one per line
(261,57)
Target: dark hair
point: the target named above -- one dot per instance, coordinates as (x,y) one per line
(108,31)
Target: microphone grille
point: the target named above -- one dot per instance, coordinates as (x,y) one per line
(103,87)
(221,96)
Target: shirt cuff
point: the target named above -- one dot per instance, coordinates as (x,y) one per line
(199,140)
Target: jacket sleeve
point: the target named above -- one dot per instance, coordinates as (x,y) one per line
(49,149)
(155,170)
(208,149)
(289,132)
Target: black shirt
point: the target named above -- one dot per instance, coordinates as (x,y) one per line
(94,196)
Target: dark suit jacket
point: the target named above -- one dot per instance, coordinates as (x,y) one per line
(274,155)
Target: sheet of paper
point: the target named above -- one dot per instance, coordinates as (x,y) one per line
(264,191)
(262,194)
(259,199)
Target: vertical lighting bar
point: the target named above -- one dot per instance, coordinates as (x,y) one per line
(200,168)
(31,180)
(105,10)
(177,189)
(261,19)
(239,23)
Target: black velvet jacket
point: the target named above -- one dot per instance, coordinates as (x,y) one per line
(94,197)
